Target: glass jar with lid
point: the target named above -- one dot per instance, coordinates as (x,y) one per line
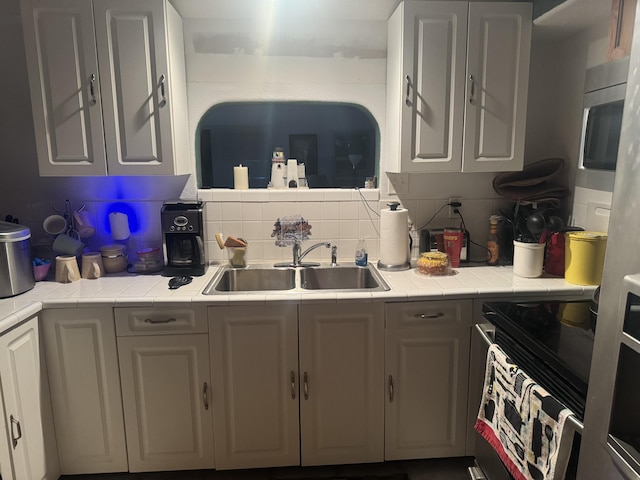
(114,258)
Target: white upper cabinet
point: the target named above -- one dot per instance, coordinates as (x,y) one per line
(108,87)
(457,80)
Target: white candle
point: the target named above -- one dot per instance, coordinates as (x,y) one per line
(240,177)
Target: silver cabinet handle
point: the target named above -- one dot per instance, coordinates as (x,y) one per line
(154,321)
(473,89)
(92,91)
(306,386)
(14,439)
(390,388)
(205,395)
(429,315)
(407,99)
(163,98)
(293,384)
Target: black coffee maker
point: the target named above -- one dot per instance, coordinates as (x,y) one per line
(183,241)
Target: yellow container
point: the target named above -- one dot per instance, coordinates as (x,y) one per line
(584,257)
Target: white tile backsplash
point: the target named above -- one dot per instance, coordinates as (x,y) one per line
(341,217)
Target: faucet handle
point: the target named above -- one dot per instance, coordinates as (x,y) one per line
(334,255)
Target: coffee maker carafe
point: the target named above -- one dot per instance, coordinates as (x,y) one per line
(183,243)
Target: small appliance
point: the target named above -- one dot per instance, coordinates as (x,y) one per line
(183,238)
(16,271)
(605,88)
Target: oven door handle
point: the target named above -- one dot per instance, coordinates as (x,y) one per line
(486,332)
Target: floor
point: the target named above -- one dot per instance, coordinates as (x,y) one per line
(437,469)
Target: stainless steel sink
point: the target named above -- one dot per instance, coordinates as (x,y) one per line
(264,278)
(341,278)
(251,280)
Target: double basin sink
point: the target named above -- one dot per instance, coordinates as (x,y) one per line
(265,278)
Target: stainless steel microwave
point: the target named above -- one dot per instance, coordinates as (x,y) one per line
(605,88)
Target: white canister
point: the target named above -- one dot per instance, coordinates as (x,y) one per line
(528,259)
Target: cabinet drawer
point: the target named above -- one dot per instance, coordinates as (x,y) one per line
(159,321)
(445,314)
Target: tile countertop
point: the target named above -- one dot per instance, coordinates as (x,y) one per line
(129,290)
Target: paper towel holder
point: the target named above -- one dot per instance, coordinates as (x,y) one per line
(393,206)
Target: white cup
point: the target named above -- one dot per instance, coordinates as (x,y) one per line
(54,224)
(528,259)
(84,224)
(67,245)
(67,269)
(92,266)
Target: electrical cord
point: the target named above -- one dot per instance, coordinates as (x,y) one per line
(434,215)
(366,204)
(464,226)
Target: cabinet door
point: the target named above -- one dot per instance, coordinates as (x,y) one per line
(498,80)
(255,395)
(427,368)
(64,84)
(167,406)
(341,384)
(26,402)
(431,91)
(80,347)
(133,58)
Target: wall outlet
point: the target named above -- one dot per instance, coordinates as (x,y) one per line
(452,214)
(400,183)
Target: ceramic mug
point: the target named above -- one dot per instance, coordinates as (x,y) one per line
(54,224)
(84,223)
(67,245)
(67,269)
(92,266)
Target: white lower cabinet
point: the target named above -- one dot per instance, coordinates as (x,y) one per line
(166,397)
(266,373)
(427,370)
(254,356)
(82,360)
(342,384)
(31,451)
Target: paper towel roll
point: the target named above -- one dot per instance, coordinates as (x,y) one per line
(119,223)
(394,238)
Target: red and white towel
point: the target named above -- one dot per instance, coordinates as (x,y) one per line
(520,419)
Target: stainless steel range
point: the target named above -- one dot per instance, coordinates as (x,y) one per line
(552,342)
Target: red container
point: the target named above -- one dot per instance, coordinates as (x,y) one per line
(554,258)
(453,244)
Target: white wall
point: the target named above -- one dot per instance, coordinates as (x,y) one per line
(554,119)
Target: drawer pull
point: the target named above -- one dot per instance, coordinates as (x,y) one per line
(154,321)
(390,388)
(205,396)
(429,315)
(293,384)
(306,386)
(92,91)
(14,439)
(163,97)
(473,89)
(407,99)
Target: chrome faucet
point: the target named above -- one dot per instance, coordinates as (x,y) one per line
(297,256)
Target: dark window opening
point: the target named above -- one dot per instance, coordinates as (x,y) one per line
(338,143)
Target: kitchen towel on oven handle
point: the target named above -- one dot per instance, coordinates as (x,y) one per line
(520,419)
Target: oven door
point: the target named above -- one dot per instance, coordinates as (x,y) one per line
(487,465)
